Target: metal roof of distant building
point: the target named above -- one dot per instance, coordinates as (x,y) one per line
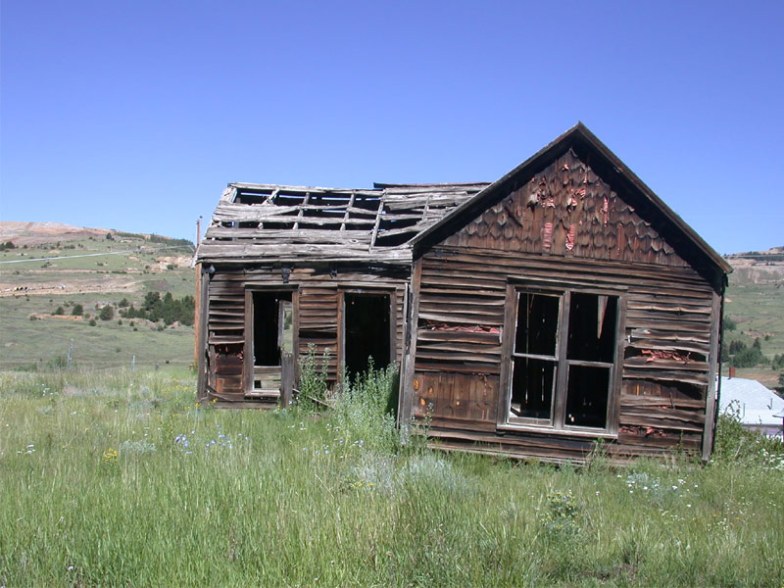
(756,404)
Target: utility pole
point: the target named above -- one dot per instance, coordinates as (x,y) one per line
(197,298)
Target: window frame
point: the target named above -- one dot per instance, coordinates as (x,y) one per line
(507,420)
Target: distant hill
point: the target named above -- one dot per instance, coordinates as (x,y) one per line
(24,233)
(21,233)
(773,252)
(758,266)
(50,270)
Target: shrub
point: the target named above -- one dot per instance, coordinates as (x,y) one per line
(313,386)
(166,308)
(363,410)
(58,362)
(744,356)
(734,443)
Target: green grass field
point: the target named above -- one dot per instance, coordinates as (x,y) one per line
(91,272)
(117,478)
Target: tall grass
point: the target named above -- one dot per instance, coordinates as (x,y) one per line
(120,479)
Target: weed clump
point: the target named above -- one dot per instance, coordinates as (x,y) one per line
(737,445)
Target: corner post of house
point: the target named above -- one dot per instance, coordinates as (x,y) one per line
(201,332)
(411,313)
(711,400)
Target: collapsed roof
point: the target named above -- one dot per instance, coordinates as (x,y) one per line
(265,222)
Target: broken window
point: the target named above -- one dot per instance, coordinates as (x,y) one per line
(562,359)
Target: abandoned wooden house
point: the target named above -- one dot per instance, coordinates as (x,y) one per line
(560,305)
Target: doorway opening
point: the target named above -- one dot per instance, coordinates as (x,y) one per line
(271,334)
(367,329)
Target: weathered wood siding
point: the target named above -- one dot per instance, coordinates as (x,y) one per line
(564,227)
(317,310)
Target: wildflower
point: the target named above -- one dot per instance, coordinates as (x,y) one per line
(110,455)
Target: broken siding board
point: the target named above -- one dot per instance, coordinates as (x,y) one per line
(664,364)
(664,419)
(698,379)
(634,401)
(478,338)
(465,367)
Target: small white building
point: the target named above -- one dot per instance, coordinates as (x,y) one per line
(758,408)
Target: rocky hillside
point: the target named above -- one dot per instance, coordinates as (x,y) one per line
(758,267)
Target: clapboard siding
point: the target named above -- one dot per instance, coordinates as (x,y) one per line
(459,344)
(317,312)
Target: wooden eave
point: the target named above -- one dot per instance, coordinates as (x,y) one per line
(605,162)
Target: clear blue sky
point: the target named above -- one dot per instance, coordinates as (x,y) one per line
(134,114)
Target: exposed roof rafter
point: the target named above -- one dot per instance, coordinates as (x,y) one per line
(257,222)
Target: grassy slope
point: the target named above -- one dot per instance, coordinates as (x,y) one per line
(88,272)
(755,300)
(117,479)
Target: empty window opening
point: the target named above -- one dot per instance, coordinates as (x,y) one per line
(592,327)
(537,324)
(367,331)
(532,388)
(535,362)
(586,399)
(563,359)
